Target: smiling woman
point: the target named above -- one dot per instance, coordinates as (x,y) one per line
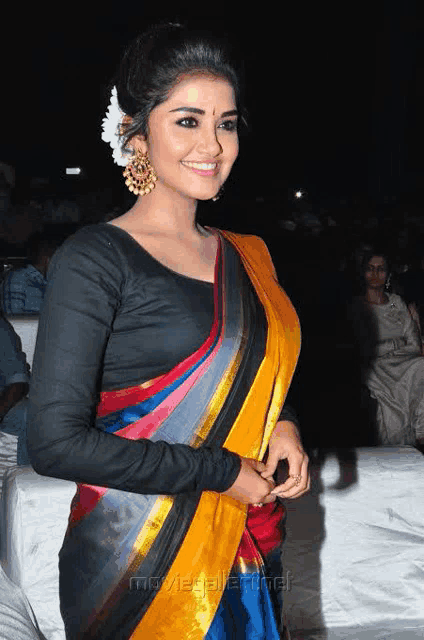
(182,148)
(164,355)
(174,54)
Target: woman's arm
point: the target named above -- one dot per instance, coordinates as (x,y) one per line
(408,338)
(85,284)
(411,331)
(412,308)
(289,414)
(286,444)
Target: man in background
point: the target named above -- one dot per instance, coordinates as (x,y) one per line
(14,385)
(22,290)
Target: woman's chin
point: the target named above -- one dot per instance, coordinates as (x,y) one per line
(199,194)
(205,192)
(209,197)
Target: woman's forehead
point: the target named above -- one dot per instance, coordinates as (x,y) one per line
(377,261)
(202,89)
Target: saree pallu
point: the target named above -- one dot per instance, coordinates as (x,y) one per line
(196,565)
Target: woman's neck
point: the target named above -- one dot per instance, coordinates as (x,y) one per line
(376,296)
(161,211)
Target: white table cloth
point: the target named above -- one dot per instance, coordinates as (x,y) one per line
(36,509)
(354,548)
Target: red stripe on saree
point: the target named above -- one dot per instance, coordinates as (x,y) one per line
(87,496)
(263,524)
(111,401)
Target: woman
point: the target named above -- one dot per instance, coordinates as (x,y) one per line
(163,360)
(391,345)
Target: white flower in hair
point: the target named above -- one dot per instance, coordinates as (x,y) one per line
(111,127)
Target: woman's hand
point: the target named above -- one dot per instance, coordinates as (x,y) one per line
(285,444)
(250,487)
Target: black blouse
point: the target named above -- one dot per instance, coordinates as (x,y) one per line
(114,317)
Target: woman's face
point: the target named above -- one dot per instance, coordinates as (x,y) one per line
(192,138)
(376,273)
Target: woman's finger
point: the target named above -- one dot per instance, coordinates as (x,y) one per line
(258,465)
(295,485)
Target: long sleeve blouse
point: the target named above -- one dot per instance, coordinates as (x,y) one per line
(114,317)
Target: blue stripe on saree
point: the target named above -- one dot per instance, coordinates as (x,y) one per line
(119,419)
(245,610)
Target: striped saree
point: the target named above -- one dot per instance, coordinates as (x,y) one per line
(196,565)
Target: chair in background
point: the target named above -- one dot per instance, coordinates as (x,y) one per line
(27,328)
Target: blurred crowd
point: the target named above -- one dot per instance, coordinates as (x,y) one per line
(318,248)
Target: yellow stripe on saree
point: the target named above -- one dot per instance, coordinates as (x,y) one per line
(186,603)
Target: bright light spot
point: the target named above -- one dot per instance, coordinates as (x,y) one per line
(192,95)
(73,171)
(298,194)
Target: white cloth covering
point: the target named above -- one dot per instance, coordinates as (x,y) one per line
(36,510)
(17,621)
(27,328)
(355,548)
(8,454)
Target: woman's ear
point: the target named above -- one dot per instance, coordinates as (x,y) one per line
(138,143)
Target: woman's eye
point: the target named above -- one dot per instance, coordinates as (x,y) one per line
(229,125)
(189,123)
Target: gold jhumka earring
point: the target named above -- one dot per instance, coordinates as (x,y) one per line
(140,175)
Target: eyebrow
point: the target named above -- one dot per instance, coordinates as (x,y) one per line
(234,112)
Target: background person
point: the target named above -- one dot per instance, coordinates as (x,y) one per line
(18,225)
(22,289)
(14,385)
(389,340)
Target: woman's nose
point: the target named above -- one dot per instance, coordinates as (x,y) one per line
(209,142)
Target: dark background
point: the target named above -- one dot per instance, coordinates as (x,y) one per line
(335,91)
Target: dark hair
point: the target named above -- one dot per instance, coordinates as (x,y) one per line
(370,253)
(153,63)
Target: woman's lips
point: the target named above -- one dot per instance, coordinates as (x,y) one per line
(200,171)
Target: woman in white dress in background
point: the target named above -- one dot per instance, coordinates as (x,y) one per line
(391,349)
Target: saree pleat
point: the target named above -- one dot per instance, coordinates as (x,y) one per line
(160,566)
